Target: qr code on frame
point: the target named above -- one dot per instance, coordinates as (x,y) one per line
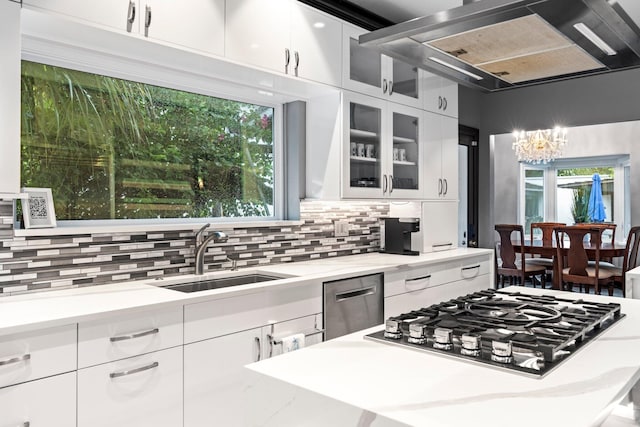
(38,208)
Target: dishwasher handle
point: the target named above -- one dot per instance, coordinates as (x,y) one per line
(343,296)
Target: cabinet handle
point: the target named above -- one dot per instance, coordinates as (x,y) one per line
(471,268)
(439,102)
(446,187)
(463,270)
(439,186)
(384,85)
(418,281)
(297,59)
(343,296)
(134,371)
(390,184)
(131,13)
(384,184)
(136,335)
(147,20)
(13,360)
(259,349)
(390,87)
(445,104)
(287,60)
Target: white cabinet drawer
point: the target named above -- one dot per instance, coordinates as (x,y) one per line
(465,269)
(414,279)
(130,335)
(32,355)
(462,287)
(224,316)
(49,402)
(142,391)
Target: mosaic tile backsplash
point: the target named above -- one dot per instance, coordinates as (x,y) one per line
(31,264)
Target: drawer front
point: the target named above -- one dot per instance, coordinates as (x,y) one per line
(463,287)
(408,301)
(224,316)
(466,269)
(47,402)
(310,326)
(130,335)
(32,355)
(142,391)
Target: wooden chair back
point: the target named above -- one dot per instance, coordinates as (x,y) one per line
(631,260)
(577,260)
(547,231)
(507,251)
(604,227)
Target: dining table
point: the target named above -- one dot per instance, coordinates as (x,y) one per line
(608,250)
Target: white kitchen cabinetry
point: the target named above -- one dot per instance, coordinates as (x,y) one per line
(382,149)
(366,70)
(284,36)
(441,157)
(423,286)
(215,390)
(439,229)
(47,402)
(221,336)
(10,103)
(198,25)
(141,391)
(441,95)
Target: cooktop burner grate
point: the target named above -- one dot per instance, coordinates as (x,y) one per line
(530,334)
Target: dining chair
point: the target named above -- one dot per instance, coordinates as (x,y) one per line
(548,233)
(573,262)
(509,266)
(631,260)
(608,228)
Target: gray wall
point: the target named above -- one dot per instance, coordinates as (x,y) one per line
(606,98)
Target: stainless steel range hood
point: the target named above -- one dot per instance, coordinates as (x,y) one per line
(501,44)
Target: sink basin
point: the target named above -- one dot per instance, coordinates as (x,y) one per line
(222,282)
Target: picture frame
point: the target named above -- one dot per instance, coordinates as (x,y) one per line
(37,208)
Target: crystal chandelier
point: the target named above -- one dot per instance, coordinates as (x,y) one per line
(540,146)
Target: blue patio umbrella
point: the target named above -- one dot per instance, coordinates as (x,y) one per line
(596,205)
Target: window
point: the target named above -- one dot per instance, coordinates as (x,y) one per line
(116,149)
(559,191)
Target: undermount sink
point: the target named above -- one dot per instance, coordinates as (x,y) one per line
(222,282)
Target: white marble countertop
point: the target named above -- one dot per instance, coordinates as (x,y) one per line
(52,308)
(399,387)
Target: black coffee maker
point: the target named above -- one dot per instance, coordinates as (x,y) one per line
(397,235)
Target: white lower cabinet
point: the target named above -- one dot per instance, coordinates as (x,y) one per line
(141,391)
(214,380)
(49,402)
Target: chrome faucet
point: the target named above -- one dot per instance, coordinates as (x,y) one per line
(202,243)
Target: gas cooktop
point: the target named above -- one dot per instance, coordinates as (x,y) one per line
(516,331)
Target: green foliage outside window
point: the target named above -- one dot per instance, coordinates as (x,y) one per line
(117,149)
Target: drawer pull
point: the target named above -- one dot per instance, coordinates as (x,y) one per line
(136,335)
(441,245)
(343,296)
(134,371)
(13,360)
(259,345)
(474,273)
(471,268)
(415,283)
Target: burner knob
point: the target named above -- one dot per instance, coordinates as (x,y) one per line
(417,333)
(392,329)
(471,344)
(443,338)
(501,352)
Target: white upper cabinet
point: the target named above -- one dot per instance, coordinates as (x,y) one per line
(315,45)
(10,104)
(441,95)
(366,70)
(441,157)
(382,149)
(197,25)
(284,36)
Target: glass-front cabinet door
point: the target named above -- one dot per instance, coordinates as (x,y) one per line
(382,148)
(406,177)
(364,150)
(365,70)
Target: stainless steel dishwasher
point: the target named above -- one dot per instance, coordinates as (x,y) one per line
(353,304)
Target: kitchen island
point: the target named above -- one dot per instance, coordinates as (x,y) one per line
(350,381)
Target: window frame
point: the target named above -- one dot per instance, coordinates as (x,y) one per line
(621,176)
(165,74)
